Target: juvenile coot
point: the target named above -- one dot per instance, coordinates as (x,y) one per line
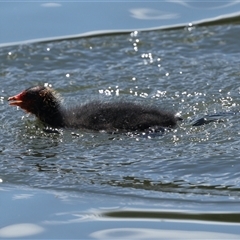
(115,116)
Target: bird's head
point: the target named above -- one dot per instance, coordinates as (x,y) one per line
(35,99)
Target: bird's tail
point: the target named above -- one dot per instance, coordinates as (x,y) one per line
(218,117)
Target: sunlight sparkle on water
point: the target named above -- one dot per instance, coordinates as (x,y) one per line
(47,85)
(134,34)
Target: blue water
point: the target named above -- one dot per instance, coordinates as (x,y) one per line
(21,21)
(81,184)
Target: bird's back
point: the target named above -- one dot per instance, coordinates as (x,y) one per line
(118,116)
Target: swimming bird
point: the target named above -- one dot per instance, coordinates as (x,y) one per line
(44,103)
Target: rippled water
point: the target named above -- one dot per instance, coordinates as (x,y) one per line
(192,71)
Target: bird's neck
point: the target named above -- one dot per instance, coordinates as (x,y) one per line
(52,115)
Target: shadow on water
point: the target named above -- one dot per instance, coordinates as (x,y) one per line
(191,216)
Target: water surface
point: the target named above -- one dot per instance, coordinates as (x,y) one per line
(192,71)
(38,19)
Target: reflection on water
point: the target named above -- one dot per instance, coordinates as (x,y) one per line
(148,233)
(70,18)
(51,5)
(191,216)
(207,5)
(149,14)
(62,214)
(20,230)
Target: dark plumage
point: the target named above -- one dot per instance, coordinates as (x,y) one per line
(110,116)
